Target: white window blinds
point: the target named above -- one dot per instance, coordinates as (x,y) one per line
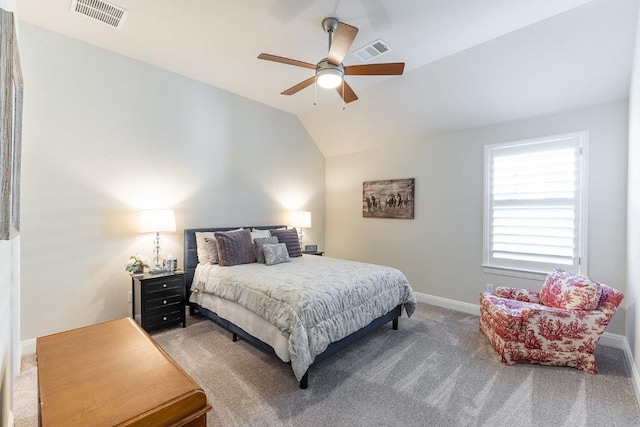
(533,199)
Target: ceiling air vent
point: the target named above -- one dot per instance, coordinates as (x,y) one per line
(100,10)
(372,50)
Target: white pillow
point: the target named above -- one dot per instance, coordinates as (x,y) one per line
(202,248)
(259,234)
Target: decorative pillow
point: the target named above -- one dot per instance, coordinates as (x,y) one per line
(202,247)
(259,242)
(562,289)
(275,253)
(207,255)
(255,233)
(290,238)
(212,246)
(235,248)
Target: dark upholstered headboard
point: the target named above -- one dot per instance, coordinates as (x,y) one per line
(190,248)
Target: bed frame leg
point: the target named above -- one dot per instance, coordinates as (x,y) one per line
(304,382)
(395,324)
(235,337)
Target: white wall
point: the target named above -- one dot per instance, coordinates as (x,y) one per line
(633,220)
(440,251)
(106,136)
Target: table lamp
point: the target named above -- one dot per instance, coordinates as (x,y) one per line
(300,220)
(155,221)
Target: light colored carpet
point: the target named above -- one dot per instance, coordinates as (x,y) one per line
(436,370)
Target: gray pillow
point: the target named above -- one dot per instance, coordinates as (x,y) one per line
(290,238)
(235,248)
(258,242)
(212,247)
(275,253)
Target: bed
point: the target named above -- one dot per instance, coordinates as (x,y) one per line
(303,310)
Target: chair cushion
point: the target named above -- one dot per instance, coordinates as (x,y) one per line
(562,289)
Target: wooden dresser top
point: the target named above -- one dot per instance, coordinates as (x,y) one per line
(112,373)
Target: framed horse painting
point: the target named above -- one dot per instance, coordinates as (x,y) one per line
(391,198)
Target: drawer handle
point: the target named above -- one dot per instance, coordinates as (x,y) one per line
(164,302)
(164,285)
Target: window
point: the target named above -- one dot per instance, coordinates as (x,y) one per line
(534,209)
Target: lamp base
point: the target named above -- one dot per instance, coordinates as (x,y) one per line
(156,254)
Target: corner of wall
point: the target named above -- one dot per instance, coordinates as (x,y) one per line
(635,377)
(28,347)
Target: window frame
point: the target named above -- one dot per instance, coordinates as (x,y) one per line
(530,269)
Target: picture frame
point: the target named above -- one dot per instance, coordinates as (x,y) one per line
(11,97)
(391,198)
(311,248)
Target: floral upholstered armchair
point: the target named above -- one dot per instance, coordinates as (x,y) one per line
(560,325)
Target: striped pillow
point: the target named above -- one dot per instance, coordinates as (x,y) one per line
(290,238)
(235,248)
(259,242)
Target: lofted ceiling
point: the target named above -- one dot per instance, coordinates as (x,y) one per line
(469,63)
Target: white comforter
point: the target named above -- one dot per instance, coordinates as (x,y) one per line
(312,300)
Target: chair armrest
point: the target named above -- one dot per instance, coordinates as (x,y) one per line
(610,299)
(518,294)
(549,328)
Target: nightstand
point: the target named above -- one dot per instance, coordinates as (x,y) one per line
(161,299)
(319,253)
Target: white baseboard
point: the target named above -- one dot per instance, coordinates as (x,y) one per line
(635,377)
(451,304)
(608,339)
(28,346)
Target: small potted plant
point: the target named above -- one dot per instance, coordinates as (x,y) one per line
(136,264)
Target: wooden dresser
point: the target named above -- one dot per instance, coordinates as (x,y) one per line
(112,374)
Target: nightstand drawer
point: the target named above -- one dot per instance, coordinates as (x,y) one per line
(155,302)
(154,320)
(160,299)
(163,284)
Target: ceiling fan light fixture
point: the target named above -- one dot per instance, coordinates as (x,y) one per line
(329,78)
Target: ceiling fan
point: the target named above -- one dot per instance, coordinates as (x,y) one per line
(330,71)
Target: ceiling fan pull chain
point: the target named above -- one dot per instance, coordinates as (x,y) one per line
(315,92)
(344,103)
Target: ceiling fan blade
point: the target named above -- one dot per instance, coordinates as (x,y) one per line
(288,61)
(343,38)
(349,95)
(297,88)
(388,69)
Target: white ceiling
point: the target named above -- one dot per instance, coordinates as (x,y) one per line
(469,63)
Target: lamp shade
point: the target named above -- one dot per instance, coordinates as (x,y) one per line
(153,221)
(301,219)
